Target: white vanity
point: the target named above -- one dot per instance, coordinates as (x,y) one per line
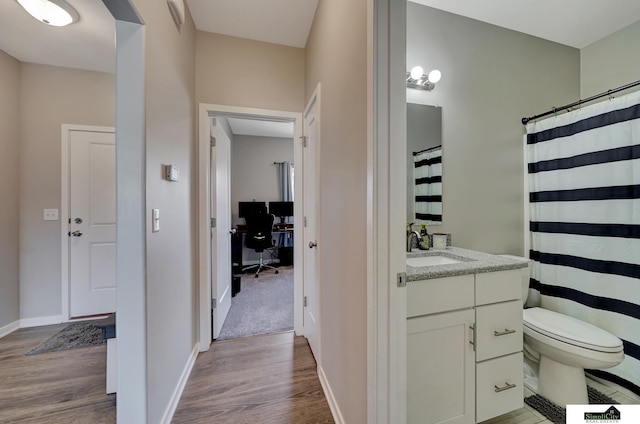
(464,336)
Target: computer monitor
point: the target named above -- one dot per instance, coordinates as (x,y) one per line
(251,208)
(281,209)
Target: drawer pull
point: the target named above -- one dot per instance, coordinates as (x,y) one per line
(503,333)
(506,387)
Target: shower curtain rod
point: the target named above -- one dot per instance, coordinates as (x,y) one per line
(579,102)
(426,150)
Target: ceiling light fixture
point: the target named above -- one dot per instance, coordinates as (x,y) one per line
(417,79)
(51,12)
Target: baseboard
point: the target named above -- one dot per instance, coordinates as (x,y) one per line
(40,321)
(9,328)
(177,392)
(331,400)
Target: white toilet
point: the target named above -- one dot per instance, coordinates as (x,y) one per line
(565,346)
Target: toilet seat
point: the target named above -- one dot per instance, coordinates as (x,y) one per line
(570,330)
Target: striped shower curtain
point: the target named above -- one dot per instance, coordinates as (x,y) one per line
(427,173)
(584,197)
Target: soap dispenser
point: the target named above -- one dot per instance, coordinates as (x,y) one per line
(424,238)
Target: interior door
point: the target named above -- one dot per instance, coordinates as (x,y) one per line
(311,316)
(92,223)
(220,226)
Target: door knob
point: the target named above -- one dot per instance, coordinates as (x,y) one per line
(77,233)
(313,244)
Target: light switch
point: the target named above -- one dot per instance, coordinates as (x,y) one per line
(155,220)
(50,215)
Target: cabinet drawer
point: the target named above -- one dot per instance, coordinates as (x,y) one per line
(426,297)
(498,329)
(492,287)
(498,386)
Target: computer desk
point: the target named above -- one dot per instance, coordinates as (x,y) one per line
(237,242)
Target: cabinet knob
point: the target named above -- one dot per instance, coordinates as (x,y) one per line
(503,333)
(507,386)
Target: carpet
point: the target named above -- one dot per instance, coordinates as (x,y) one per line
(263,305)
(558,415)
(73,336)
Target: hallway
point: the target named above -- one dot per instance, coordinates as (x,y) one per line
(261,379)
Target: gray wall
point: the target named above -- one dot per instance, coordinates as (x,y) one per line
(9,190)
(254,176)
(611,62)
(50,96)
(171,288)
(336,56)
(491,78)
(238,72)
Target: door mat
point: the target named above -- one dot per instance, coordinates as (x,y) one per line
(73,336)
(558,415)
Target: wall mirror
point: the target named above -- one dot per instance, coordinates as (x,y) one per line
(424,164)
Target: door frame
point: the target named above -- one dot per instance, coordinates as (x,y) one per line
(386,213)
(205,112)
(63,216)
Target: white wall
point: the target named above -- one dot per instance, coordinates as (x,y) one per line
(611,62)
(336,57)
(49,97)
(171,305)
(491,78)
(9,190)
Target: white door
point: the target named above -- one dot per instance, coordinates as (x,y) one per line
(92,223)
(311,316)
(221,227)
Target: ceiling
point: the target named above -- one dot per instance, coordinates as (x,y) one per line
(261,128)
(575,23)
(89,44)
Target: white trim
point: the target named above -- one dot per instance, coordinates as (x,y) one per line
(9,328)
(40,321)
(386,206)
(205,111)
(64,207)
(331,399)
(182,382)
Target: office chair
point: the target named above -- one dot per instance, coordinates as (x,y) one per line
(258,238)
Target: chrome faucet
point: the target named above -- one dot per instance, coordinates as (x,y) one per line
(410,234)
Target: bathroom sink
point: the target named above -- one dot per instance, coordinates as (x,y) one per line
(431,260)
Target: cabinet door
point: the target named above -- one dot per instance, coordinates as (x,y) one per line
(441,369)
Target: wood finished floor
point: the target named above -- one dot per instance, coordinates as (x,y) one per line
(52,388)
(261,379)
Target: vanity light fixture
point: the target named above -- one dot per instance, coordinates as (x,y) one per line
(51,12)
(417,79)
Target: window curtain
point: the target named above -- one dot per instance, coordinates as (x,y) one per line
(584,197)
(285,182)
(427,173)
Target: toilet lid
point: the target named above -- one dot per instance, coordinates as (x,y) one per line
(570,330)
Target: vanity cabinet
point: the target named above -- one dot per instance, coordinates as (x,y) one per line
(464,348)
(440,356)
(498,343)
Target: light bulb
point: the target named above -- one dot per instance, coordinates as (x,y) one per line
(55,13)
(416,72)
(434,76)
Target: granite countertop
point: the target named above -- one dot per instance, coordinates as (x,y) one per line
(473,262)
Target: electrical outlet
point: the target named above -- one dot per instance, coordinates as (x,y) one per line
(50,215)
